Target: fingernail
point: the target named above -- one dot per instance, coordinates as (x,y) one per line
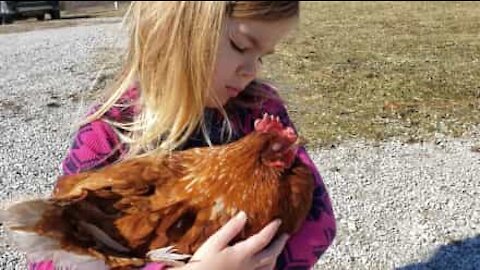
(241,216)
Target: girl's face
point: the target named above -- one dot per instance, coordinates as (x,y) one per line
(242,46)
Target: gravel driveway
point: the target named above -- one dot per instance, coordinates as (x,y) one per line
(399,206)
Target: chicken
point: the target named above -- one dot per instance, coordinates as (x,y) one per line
(147,208)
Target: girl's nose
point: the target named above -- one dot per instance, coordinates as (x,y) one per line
(248,70)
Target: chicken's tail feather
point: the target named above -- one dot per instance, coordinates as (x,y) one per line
(19,221)
(24,214)
(41,248)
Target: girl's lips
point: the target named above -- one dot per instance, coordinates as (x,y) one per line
(232,91)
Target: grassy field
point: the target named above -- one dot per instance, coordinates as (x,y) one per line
(375,70)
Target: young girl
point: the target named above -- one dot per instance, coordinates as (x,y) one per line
(190,80)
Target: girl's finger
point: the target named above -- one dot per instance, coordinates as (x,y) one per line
(269,256)
(224,235)
(259,241)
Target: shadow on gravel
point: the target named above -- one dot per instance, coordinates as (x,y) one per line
(461,255)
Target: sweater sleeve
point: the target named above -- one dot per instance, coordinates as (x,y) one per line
(94,145)
(305,247)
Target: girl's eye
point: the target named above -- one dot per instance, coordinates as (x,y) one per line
(240,50)
(236,47)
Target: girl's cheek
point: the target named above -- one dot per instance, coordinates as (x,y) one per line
(228,66)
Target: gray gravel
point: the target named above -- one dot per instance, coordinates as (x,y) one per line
(43,73)
(407,207)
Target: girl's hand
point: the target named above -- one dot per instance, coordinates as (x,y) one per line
(249,254)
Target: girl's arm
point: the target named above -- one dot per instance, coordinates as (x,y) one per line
(318,231)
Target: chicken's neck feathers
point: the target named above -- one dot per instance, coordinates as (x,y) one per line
(241,159)
(232,173)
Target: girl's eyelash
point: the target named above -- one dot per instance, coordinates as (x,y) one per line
(242,50)
(236,47)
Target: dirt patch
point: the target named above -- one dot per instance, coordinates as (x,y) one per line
(11,106)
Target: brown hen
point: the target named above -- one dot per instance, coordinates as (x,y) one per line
(134,211)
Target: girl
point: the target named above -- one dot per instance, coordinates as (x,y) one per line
(189,80)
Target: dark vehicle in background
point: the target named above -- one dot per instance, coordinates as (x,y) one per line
(14,10)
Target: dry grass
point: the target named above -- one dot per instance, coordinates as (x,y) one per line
(375,70)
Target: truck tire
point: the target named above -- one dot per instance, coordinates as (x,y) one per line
(6,19)
(55,14)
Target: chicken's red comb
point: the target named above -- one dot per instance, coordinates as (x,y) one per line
(268,123)
(272,124)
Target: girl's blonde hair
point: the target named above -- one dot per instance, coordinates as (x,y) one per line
(171,58)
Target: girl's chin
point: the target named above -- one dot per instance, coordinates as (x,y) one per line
(211,104)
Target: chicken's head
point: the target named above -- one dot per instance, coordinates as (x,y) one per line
(282,144)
